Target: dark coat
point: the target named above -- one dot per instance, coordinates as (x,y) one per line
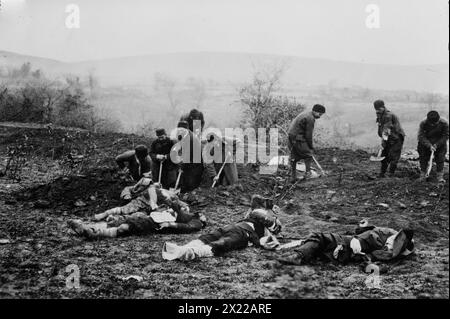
(430,134)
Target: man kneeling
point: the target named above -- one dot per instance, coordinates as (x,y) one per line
(258,228)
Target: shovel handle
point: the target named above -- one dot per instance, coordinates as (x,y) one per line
(178,179)
(160,171)
(318,165)
(430,164)
(220,171)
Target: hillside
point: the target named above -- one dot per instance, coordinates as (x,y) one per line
(36,245)
(237,67)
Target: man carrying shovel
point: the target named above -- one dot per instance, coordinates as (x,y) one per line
(392,135)
(163,170)
(300,140)
(432,137)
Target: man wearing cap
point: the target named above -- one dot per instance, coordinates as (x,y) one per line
(138,161)
(392,135)
(160,155)
(432,137)
(300,139)
(195,120)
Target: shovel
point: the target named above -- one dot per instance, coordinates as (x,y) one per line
(430,164)
(178,182)
(220,172)
(377,158)
(160,172)
(318,165)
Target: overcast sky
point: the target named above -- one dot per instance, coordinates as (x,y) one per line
(411,31)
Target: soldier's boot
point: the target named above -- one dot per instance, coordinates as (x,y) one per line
(440,177)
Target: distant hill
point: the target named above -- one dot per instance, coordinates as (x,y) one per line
(237,67)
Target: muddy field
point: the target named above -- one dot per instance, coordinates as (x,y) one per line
(36,246)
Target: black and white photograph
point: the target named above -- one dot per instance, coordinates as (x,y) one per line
(241,152)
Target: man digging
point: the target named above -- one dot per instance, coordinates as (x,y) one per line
(300,140)
(392,136)
(432,137)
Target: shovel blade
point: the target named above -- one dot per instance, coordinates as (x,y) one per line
(376,159)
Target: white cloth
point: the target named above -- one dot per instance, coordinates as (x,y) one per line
(164,216)
(355,245)
(192,250)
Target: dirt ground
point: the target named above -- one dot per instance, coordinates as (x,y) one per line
(36,246)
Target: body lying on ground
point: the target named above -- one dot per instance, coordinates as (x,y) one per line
(369,243)
(152,209)
(258,227)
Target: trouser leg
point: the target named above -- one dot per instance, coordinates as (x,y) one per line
(231,173)
(424,157)
(293,169)
(440,158)
(231,240)
(308,250)
(395,153)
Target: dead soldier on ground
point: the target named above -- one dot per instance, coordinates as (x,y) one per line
(152,209)
(259,227)
(368,243)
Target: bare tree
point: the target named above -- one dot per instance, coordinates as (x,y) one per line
(258,95)
(197,90)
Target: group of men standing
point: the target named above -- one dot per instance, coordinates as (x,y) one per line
(187,171)
(432,141)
